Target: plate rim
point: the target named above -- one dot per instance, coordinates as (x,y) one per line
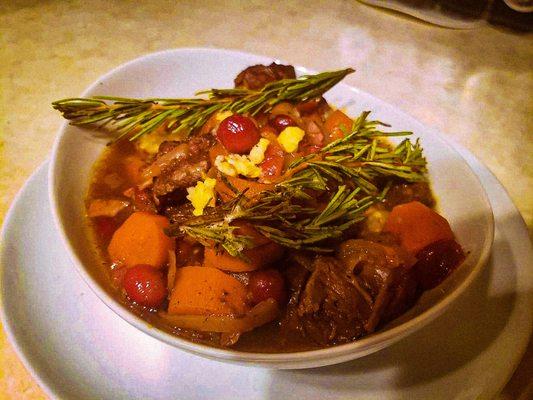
(23,356)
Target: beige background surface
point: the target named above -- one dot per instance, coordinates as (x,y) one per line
(475,86)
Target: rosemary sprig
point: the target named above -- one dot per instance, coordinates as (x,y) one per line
(358,169)
(359,158)
(350,174)
(137,117)
(278,218)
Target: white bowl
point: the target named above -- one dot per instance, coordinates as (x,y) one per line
(180,73)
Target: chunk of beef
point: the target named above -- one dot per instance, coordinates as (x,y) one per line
(347,297)
(178,166)
(331,309)
(406,192)
(179,213)
(356,254)
(143,200)
(403,293)
(179,176)
(317,105)
(377,271)
(257,76)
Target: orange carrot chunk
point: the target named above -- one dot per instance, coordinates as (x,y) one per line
(417,226)
(141,240)
(260,314)
(247,229)
(337,124)
(262,254)
(258,257)
(252,188)
(207,291)
(215,151)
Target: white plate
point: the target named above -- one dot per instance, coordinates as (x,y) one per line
(77,348)
(181,72)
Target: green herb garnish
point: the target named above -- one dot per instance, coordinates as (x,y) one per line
(352,173)
(136,117)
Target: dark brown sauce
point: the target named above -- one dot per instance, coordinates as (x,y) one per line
(110,180)
(265,339)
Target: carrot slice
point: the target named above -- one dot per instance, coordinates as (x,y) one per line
(240,185)
(417,226)
(336,125)
(141,240)
(247,229)
(259,257)
(215,151)
(260,314)
(207,291)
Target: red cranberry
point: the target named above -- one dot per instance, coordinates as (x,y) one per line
(267,284)
(145,285)
(238,134)
(281,121)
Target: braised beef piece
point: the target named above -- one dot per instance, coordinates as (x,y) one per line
(189,253)
(296,276)
(143,200)
(403,294)
(181,165)
(331,310)
(178,213)
(401,193)
(316,104)
(377,270)
(167,147)
(257,76)
(349,296)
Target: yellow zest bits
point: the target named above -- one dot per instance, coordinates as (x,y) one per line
(290,137)
(257,154)
(201,194)
(235,164)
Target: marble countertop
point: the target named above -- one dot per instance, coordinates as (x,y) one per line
(475,86)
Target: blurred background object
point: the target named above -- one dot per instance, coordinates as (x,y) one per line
(520,5)
(465,14)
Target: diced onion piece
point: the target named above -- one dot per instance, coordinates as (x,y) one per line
(375,220)
(262,313)
(224,167)
(257,154)
(245,165)
(171,275)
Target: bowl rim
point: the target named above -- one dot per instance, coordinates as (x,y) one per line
(364,346)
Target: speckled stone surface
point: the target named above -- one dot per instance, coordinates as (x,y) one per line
(475,86)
